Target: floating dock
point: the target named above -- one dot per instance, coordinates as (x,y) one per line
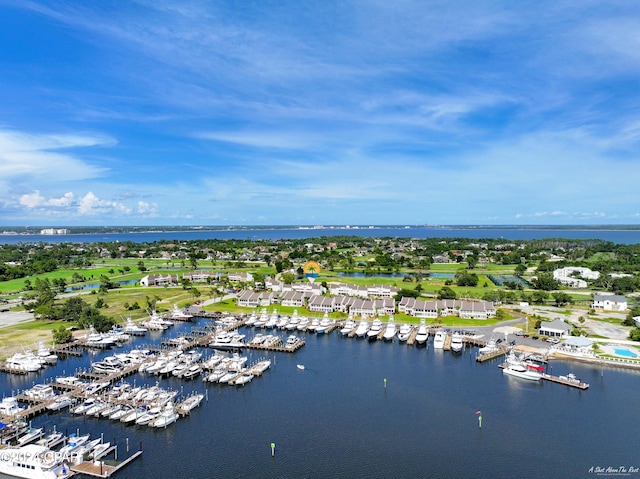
(102,468)
(567,381)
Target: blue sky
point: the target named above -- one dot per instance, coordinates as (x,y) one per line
(333,112)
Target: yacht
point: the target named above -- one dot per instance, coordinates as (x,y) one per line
(99,451)
(521,371)
(390,330)
(244,378)
(73,444)
(376,328)
(84,407)
(191,402)
(180,314)
(348,327)
(133,329)
(261,366)
(216,375)
(33,461)
(51,440)
(192,372)
(30,436)
(490,347)
(362,329)
(59,403)
(423,333)
(324,324)
(438,340)
(44,354)
(302,325)
(456,342)
(273,320)
(404,332)
(166,417)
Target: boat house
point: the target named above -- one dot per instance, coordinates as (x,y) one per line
(555,328)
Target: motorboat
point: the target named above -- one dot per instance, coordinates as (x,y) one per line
(133,329)
(261,366)
(438,340)
(167,416)
(348,327)
(192,372)
(73,444)
(362,329)
(374,331)
(404,332)
(313,325)
(301,325)
(124,411)
(216,375)
(292,341)
(109,410)
(456,342)
(521,371)
(34,461)
(51,440)
(300,367)
(59,403)
(134,414)
(97,408)
(244,378)
(84,407)
(99,451)
(324,324)
(87,447)
(30,436)
(180,314)
(282,322)
(191,402)
(490,347)
(9,407)
(390,330)
(228,376)
(45,354)
(423,333)
(40,391)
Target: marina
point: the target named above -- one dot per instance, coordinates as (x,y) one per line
(413,375)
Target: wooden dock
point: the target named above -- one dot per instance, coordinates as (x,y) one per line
(103,469)
(574,383)
(501,351)
(447,342)
(412,337)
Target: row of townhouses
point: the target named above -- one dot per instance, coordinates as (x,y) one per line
(466,309)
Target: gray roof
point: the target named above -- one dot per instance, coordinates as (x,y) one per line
(556,324)
(616,298)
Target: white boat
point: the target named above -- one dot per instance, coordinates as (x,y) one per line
(362,329)
(180,314)
(191,402)
(133,329)
(59,403)
(166,417)
(33,462)
(390,330)
(134,414)
(51,440)
(324,324)
(404,332)
(149,416)
(490,347)
(9,407)
(73,444)
(228,376)
(348,327)
(87,447)
(30,436)
(99,450)
(438,340)
(261,366)
(125,411)
(192,372)
(244,378)
(44,354)
(301,325)
(456,342)
(300,367)
(84,407)
(374,331)
(216,375)
(423,333)
(521,371)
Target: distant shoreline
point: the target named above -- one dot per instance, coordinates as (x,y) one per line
(77,230)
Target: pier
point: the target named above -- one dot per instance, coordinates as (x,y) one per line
(566,380)
(102,469)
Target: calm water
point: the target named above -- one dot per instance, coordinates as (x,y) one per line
(335,419)
(616,236)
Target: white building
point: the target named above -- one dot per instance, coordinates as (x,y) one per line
(568,276)
(609,302)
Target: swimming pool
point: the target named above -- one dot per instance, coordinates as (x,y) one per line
(625,352)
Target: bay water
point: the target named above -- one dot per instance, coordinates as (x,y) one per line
(337,419)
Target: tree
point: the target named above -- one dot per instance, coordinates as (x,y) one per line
(141,267)
(447,293)
(545,282)
(520,269)
(288,278)
(194,262)
(62,335)
(539,297)
(562,298)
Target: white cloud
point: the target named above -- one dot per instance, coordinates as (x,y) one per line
(25,156)
(90,204)
(36,200)
(147,209)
